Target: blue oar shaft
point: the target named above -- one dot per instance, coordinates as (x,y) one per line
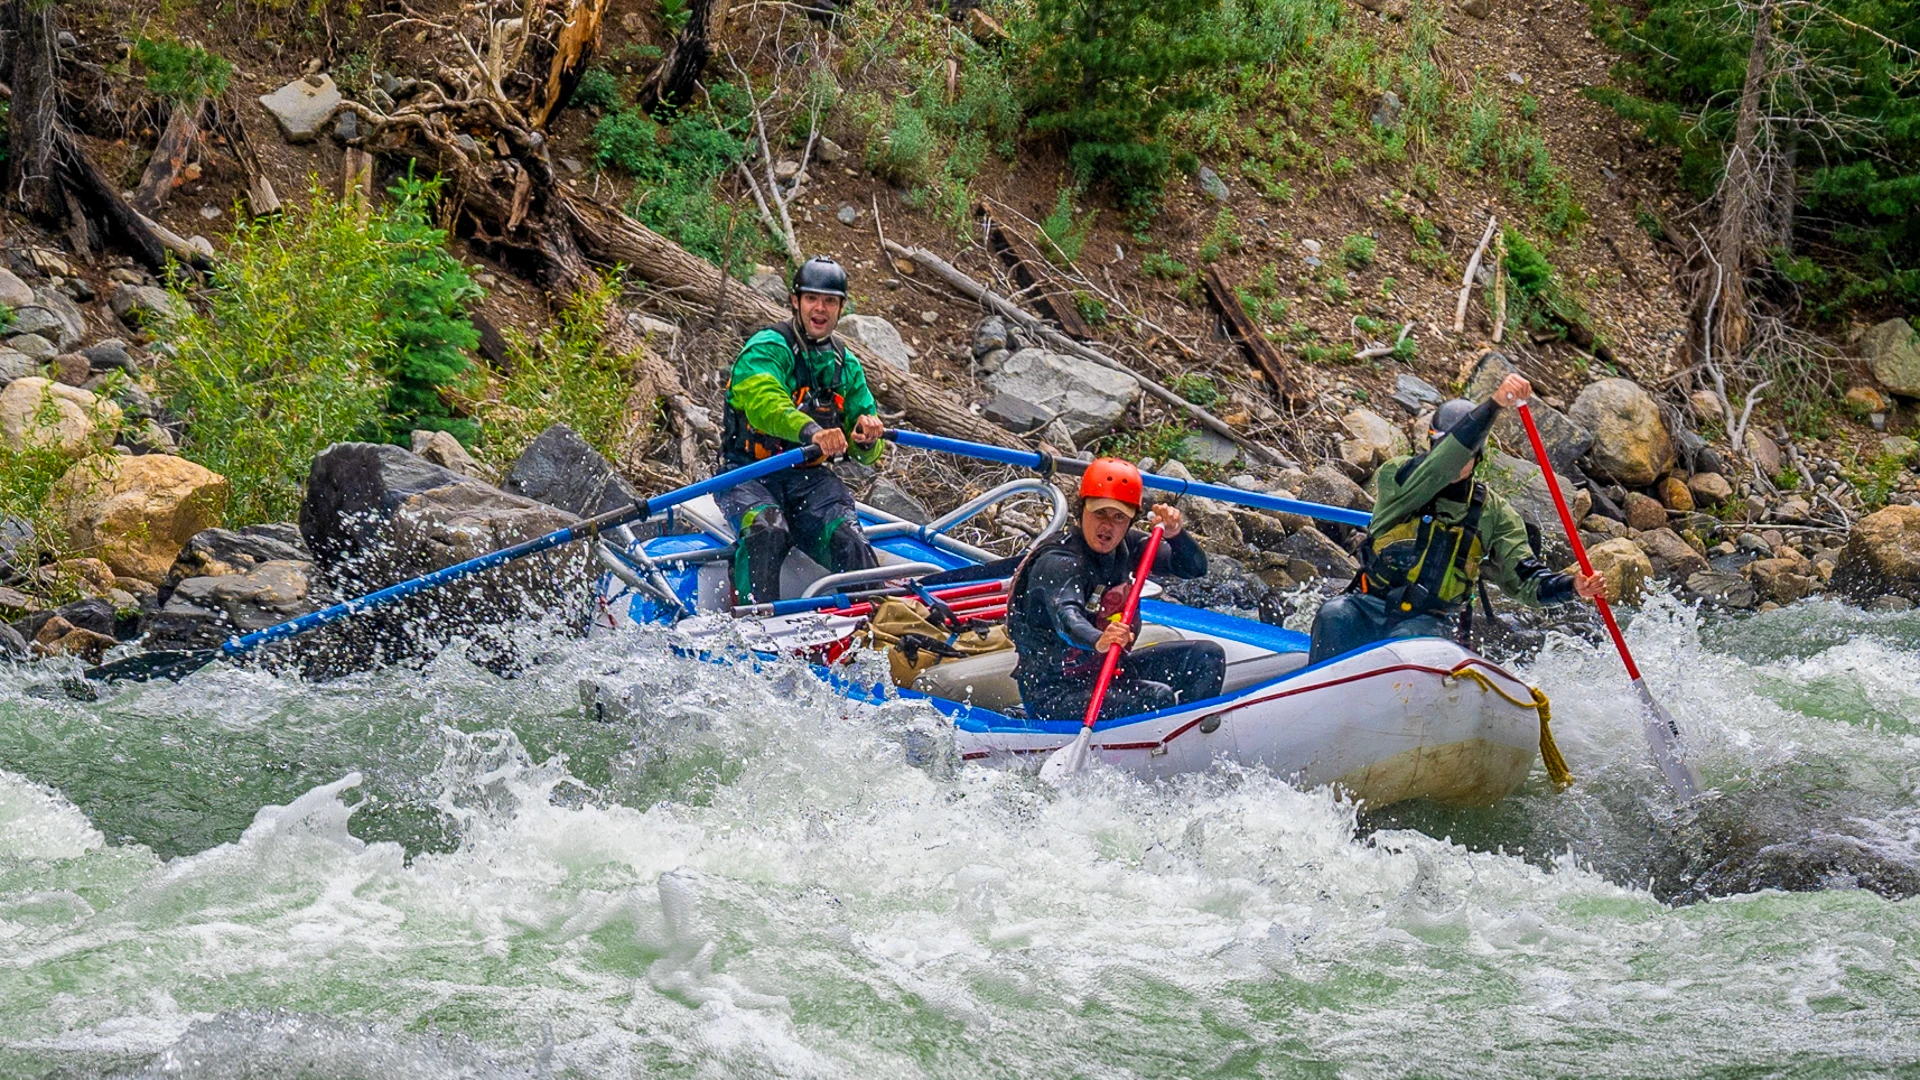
(639,511)
(1027,459)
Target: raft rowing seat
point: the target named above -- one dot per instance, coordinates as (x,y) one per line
(987,682)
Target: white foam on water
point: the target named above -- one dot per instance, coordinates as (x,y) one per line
(762,884)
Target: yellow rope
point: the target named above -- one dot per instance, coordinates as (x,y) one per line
(1557,770)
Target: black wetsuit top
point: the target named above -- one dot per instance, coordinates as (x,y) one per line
(1056,594)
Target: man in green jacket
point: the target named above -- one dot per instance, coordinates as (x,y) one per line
(1435,532)
(793,384)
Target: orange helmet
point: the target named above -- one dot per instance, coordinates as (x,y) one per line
(1112,478)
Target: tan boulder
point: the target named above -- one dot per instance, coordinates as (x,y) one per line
(1882,555)
(1644,512)
(1674,494)
(1709,489)
(1625,567)
(39,412)
(138,512)
(1866,399)
(1630,439)
(1672,557)
(1782,580)
(1605,527)
(1375,435)
(445,451)
(1764,452)
(1893,352)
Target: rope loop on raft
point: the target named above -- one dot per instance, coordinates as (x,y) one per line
(1550,756)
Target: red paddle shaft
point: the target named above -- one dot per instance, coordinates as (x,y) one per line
(1112,662)
(1663,735)
(1573,538)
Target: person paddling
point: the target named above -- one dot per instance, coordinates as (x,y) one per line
(795,383)
(1064,602)
(1435,532)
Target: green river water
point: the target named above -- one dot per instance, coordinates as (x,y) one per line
(439,873)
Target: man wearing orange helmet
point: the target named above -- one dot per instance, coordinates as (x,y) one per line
(1063,611)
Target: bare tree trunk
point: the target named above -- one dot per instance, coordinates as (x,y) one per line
(1742,203)
(33,157)
(169,159)
(672,84)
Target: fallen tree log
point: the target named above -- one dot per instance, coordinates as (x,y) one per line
(1030,322)
(1248,336)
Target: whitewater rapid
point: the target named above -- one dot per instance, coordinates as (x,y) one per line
(443,873)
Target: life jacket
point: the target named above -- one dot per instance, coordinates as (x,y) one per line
(741,444)
(1423,565)
(1041,646)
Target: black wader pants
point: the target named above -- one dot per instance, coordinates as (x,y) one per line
(1150,677)
(809,506)
(1353,619)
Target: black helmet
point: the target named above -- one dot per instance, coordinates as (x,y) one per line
(1448,415)
(822,275)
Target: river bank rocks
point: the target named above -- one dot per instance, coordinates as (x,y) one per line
(228,582)
(375,515)
(1631,444)
(1086,398)
(38,412)
(137,513)
(1882,556)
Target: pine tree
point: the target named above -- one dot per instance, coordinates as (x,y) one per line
(1108,75)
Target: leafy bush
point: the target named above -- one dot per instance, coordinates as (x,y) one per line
(674,14)
(315,327)
(426,314)
(1091,308)
(677,167)
(1159,264)
(1536,299)
(1358,251)
(27,475)
(597,89)
(1108,74)
(180,72)
(563,376)
(1067,235)
(1195,387)
(1223,239)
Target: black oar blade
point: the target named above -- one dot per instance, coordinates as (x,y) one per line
(147,667)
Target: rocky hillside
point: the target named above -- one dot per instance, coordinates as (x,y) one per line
(1402,202)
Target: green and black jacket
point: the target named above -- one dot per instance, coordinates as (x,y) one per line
(784,388)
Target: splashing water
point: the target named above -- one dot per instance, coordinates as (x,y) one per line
(436,872)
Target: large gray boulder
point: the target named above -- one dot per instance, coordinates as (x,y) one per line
(71,324)
(879,337)
(561,470)
(303,106)
(1087,398)
(1673,559)
(1631,444)
(1893,353)
(1316,548)
(376,515)
(1566,438)
(228,582)
(1524,487)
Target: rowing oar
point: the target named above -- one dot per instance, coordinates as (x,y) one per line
(178,665)
(1072,758)
(1663,735)
(1048,463)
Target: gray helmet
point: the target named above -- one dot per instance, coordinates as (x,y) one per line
(822,275)
(1448,415)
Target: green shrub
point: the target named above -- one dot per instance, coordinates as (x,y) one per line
(426,314)
(1159,264)
(1223,238)
(1535,298)
(677,167)
(315,327)
(180,72)
(1108,74)
(1358,251)
(567,376)
(674,14)
(1091,308)
(597,89)
(1195,387)
(903,155)
(1067,236)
